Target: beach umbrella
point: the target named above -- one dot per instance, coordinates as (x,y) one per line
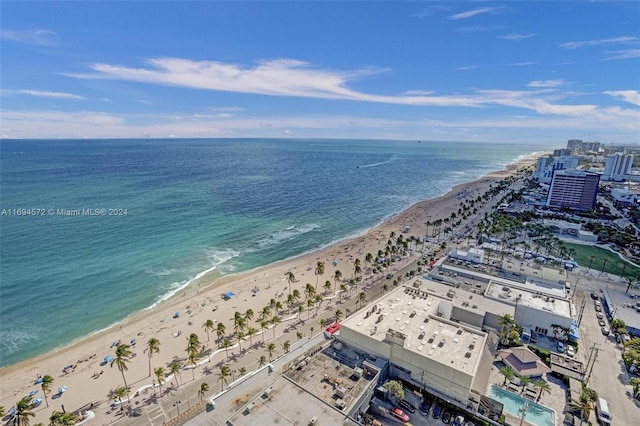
(176,315)
(108,358)
(13,411)
(33,392)
(62,389)
(37,402)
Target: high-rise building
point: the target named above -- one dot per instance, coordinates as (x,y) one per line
(547,165)
(575,189)
(617,166)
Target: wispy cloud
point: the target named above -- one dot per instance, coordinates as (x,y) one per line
(514,64)
(622,54)
(601,42)
(546,83)
(45,94)
(471,13)
(516,36)
(430,10)
(631,96)
(38,37)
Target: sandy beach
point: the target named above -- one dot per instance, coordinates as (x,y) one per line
(88,379)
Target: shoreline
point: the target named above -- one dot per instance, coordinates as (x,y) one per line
(201,295)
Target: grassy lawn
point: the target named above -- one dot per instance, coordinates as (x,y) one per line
(614,264)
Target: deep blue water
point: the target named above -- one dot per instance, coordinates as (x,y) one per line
(192,206)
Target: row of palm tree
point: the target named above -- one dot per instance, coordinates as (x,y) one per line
(541,384)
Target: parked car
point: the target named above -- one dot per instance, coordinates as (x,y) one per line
(407,405)
(570,351)
(424,408)
(594,296)
(436,412)
(561,347)
(458,420)
(604,330)
(599,315)
(598,309)
(399,414)
(601,323)
(446,417)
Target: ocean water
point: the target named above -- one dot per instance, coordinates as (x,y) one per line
(213,206)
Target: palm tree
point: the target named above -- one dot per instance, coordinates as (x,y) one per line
(504,321)
(240,337)
(318,271)
(309,290)
(290,279)
(299,335)
(266,311)
(123,356)
(174,368)
(323,323)
(46,385)
(291,301)
(248,315)
(160,376)
(23,412)
(278,306)
(318,299)
(300,311)
(327,286)
(193,344)
(208,326)
(296,294)
(226,344)
(220,331)
(242,371)
(508,374)
(310,305)
(1,411)
(262,361)
(338,315)
(225,372)
(153,346)
(62,419)
(285,346)
(118,393)
(193,361)
(524,381)
(275,321)
(204,387)
(362,298)
(271,348)
(264,324)
(543,386)
(337,276)
(251,332)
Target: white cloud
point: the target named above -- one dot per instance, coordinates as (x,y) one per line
(516,36)
(631,96)
(417,92)
(614,40)
(38,37)
(546,83)
(470,13)
(622,54)
(45,94)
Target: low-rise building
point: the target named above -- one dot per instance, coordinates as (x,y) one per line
(412,328)
(473,255)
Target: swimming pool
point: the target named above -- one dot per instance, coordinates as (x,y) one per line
(536,414)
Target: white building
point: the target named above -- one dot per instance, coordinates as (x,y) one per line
(547,165)
(623,196)
(534,311)
(412,329)
(473,255)
(617,167)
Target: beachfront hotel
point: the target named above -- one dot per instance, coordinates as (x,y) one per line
(575,189)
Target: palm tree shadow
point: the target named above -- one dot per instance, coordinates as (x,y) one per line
(207,371)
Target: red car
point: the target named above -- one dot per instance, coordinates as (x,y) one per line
(399,414)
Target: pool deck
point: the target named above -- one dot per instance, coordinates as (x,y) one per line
(555,400)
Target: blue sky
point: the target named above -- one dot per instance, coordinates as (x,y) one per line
(472,71)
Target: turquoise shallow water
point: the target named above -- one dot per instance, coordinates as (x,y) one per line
(535,413)
(192,206)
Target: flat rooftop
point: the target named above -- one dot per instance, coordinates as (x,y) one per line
(285,403)
(467,299)
(524,296)
(412,313)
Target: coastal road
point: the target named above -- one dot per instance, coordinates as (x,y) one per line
(609,377)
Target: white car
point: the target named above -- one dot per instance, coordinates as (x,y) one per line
(570,351)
